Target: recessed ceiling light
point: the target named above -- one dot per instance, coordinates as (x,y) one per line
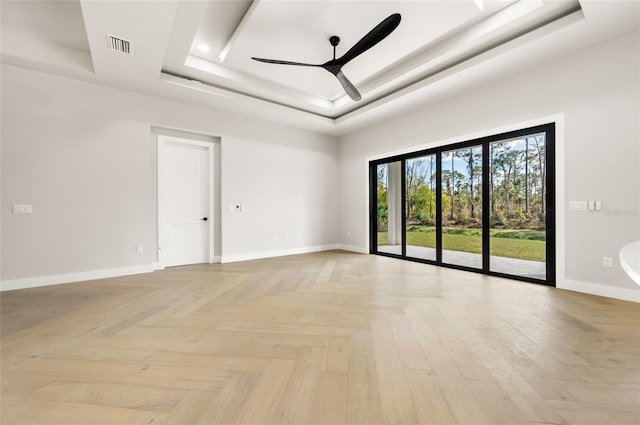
(203,48)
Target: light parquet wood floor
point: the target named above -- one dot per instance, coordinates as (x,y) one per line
(325,338)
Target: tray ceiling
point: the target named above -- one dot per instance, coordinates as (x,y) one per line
(439,48)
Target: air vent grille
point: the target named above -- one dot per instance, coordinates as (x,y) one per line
(119,44)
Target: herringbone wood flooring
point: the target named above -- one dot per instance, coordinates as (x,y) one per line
(326,338)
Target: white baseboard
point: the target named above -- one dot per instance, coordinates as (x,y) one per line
(600,289)
(616,292)
(33,282)
(353,248)
(157,266)
(276,253)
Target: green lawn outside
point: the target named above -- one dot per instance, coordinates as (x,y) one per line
(509,243)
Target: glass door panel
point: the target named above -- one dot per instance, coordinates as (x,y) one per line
(461,176)
(420,207)
(517,178)
(389,207)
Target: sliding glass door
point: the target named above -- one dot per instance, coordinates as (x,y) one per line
(484,205)
(420,207)
(461,176)
(388,232)
(517,183)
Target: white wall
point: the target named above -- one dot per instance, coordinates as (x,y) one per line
(83,156)
(288,193)
(597,90)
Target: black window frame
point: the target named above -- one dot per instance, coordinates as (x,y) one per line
(550,201)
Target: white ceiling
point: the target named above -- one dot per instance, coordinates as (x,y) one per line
(304,36)
(439,48)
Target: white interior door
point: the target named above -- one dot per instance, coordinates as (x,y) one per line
(184,199)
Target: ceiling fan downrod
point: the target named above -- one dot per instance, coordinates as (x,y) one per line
(334,40)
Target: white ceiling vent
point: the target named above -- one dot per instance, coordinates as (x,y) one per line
(119,44)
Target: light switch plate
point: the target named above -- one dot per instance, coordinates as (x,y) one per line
(577,205)
(22,208)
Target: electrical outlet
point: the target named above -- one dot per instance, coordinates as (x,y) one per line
(139,248)
(607,262)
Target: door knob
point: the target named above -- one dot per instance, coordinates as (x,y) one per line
(204,219)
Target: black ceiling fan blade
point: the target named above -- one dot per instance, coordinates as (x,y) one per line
(351,90)
(373,37)
(279,62)
(334,66)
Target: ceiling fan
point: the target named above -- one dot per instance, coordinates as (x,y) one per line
(334,66)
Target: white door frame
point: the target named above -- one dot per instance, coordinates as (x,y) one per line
(163,141)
